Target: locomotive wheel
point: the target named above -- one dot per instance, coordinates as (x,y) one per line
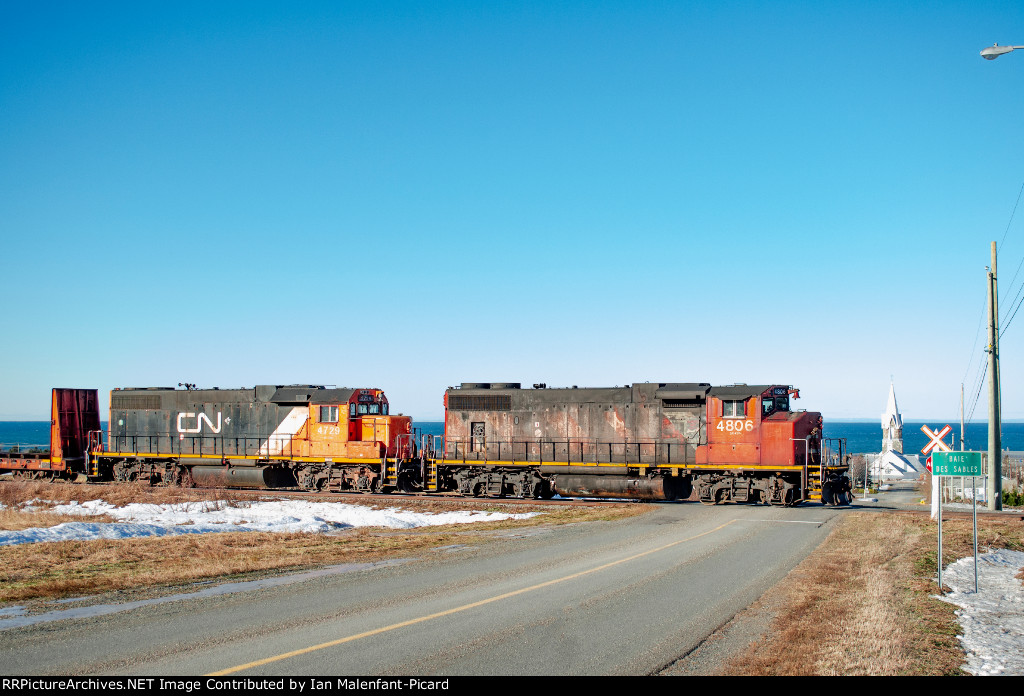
(406,484)
(827,496)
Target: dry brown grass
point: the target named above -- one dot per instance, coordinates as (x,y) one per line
(74,568)
(28,504)
(19,492)
(13,519)
(77,568)
(862,603)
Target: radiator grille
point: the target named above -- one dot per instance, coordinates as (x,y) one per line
(490,402)
(135,402)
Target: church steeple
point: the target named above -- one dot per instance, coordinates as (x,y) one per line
(892,425)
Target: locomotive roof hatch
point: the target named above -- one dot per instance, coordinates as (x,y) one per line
(740,391)
(683,390)
(310,394)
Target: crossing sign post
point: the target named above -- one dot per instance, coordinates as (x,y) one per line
(938,445)
(945,462)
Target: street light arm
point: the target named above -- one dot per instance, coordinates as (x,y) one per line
(995,50)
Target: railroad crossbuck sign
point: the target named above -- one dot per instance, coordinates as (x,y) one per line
(956,464)
(937,444)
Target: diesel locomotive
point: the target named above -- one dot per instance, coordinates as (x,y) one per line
(648,441)
(739,443)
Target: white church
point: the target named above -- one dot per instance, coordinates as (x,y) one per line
(892,464)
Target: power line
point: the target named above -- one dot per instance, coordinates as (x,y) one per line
(1011,215)
(981,318)
(977,395)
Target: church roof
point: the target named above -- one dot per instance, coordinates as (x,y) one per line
(895,465)
(892,412)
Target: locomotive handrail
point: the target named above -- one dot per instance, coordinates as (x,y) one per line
(646,451)
(18,447)
(185,445)
(429,445)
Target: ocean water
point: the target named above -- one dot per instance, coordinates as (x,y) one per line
(866,437)
(861,436)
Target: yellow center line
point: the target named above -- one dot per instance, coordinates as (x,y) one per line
(464,607)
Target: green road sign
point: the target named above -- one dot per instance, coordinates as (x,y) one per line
(956,464)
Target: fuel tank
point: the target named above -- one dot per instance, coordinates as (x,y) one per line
(657,488)
(243,476)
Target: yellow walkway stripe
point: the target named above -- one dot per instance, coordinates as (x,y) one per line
(464,607)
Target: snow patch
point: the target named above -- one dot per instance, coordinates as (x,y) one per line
(146,519)
(993,618)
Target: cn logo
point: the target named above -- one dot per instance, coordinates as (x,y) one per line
(199,418)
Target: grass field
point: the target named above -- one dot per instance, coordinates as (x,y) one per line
(56,570)
(863,603)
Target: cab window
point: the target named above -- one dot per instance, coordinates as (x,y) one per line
(734,409)
(373,409)
(328,414)
(770,405)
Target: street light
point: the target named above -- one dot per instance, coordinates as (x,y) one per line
(994,485)
(995,50)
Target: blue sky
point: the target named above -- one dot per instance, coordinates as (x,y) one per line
(413,195)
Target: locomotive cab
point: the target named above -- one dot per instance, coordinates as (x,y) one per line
(752,426)
(773,452)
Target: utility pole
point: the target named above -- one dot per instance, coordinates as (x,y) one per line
(994,486)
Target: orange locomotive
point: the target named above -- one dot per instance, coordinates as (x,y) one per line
(657,441)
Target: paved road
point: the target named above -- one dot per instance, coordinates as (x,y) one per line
(628,597)
(899,495)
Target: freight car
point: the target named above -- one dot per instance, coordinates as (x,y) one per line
(657,441)
(74,433)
